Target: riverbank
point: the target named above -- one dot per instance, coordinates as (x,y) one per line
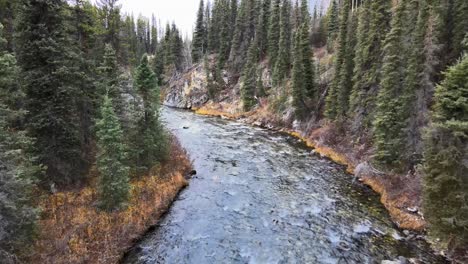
(72,230)
(401,199)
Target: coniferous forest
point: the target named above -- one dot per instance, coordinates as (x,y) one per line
(389,78)
(81,86)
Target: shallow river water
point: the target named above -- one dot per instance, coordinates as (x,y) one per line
(263,197)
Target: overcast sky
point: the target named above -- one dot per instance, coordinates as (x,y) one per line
(183,12)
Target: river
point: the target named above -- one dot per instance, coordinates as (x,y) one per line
(264,197)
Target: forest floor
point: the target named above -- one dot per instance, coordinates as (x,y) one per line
(400,194)
(73,230)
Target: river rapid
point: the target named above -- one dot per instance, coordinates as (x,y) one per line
(263,197)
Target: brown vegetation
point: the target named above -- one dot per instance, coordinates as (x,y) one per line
(73,230)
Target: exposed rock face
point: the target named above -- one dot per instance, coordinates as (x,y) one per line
(187,90)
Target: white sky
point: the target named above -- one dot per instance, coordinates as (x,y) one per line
(182,12)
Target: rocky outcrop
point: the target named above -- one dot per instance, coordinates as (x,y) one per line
(187,90)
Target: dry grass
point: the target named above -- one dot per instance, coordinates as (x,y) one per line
(73,230)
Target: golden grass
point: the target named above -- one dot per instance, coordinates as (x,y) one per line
(73,230)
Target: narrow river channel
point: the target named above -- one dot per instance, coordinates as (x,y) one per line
(263,197)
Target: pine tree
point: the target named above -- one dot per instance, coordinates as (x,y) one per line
(332,102)
(199,35)
(51,76)
(310,89)
(225,34)
(283,61)
(389,137)
(151,144)
(373,27)
(418,83)
(333,23)
(346,73)
(243,35)
(274,32)
(249,76)
(17,172)
(114,187)
(298,78)
(110,16)
(445,200)
(263,26)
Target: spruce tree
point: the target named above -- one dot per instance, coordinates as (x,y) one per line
(17,172)
(263,26)
(249,77)
(445,200)
(389,137)
(298,78)
(333,23)
(199,35)
(283,61)
(110,15)
(151,146)
(114,187)
(332,102)
(418,83)
(310,89)
(374,24)
(274,32)
(51,77)
(243,35)
(225,34)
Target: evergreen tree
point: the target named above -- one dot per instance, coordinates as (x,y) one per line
(310,89)
(198,48)
(110,17)
(263,26)
(243,35)
(373,27)
(333,22)
(418,83)
(274,32)
(114,187)
(51,77)
(249,76)
(390,118)
(17,172)
(445,158)
(283,61)
(151,144)
(225,34)
(332,104)
(298,78)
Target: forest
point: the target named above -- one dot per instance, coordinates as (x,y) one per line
(388,78)
(81,86)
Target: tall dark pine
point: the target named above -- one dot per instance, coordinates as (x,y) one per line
(114,187)
(332,103)
(151,144)
(198,48)
(263,26)
(283,61)
(445,200)
(110,17)
(390,116)
(374,24)
(274,32)
(249,75)
(50,75)
(17,172)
